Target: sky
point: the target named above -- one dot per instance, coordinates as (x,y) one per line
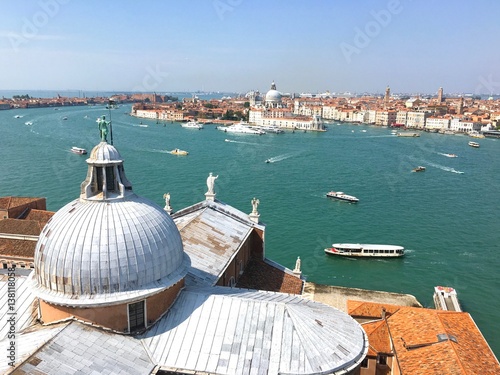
(314,46)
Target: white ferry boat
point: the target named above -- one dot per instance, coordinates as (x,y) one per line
(242,128)
(474,144)
(341,196)
(193,125)
(366,251)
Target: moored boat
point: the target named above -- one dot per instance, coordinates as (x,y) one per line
(78,150)
(341,196)
(177,151)
(272,129)
(474,144)
(365,250)
(407,134)
(241,128)
(445,298)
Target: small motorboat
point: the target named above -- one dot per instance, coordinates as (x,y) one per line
(179,152)
(418,169)
(78,150)
(474,144)
(341,196)
(268,160)
(450,155)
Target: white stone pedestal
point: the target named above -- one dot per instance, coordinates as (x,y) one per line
(210,196)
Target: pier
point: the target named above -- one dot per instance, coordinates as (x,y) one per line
(445,298)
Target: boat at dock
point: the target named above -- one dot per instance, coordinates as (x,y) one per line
(341,196)
(407,134)
(78,150)
(474,144)
(365,250)
(272,129)
(445,298)
(241,128)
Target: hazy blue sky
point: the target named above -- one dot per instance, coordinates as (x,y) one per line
(239,45)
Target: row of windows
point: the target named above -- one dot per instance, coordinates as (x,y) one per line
(8,264)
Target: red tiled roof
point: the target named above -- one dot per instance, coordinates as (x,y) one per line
(414,332)
(378,337)
(39,215)
(18,226)
(10,202)
(370,309)
(17,248)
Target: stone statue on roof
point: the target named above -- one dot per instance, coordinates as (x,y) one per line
(103,128)
(210,183)
(255,205)
(297,266)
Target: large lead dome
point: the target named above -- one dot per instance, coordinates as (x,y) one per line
(109,245)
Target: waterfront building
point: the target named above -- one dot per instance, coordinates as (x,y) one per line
(462,125)
(372,116)
(401,117)
(276,113)
(416,119)
(385,118)
(437,123)
(147,113)
(330,112)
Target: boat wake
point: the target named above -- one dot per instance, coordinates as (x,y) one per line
(158,151)
(278,158)
(444,168)
(245,143)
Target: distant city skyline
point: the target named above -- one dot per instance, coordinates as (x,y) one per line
(238,46)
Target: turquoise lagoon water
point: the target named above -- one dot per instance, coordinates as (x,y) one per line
(446,217)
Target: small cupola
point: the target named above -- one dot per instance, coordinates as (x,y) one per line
(105,175)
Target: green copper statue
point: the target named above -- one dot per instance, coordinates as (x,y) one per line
(103,128)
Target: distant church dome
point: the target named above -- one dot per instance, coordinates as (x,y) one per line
(273,96)
(110,245)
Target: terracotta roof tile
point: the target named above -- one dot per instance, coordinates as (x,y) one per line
(378,337)
(39,215)
(10,202)
(17,248)
(464,351)
(370,309)
(414,331)
(17,226)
